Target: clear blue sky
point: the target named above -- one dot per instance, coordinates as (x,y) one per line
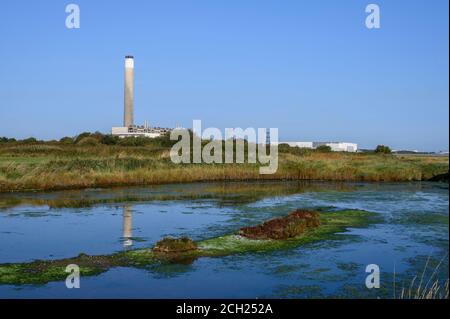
(310,68)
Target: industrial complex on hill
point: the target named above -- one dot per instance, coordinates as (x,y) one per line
(129,129)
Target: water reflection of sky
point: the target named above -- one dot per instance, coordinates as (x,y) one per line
(415,224)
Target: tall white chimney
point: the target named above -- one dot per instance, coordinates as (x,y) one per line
(129,92)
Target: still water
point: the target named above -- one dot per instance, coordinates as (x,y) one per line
(413,229)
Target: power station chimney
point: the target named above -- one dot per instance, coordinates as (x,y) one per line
(129,91)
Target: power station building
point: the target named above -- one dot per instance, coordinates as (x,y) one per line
(338,146)
(129,129)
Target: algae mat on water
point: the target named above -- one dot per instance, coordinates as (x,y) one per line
(332,223)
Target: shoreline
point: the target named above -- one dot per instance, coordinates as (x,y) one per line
(226,192)
(111,186)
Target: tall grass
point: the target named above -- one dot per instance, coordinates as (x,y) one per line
(422,288)
(48,167)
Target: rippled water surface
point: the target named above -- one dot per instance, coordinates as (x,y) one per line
(412,230)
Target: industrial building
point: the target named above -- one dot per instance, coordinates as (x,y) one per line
(129,129)
(338,146)
(335,146)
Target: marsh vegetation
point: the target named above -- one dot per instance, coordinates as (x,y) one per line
(97,160)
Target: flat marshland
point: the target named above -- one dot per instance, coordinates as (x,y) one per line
(90,163)
(110,231)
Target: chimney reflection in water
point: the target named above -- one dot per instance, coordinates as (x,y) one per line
(127,226)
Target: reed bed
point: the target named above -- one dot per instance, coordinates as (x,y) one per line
(426,285)
(52,167)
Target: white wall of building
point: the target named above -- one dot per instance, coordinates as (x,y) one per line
(299,144)
(335,146)
(118,130)
(122,131)
(343,147)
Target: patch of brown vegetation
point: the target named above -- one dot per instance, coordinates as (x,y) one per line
(175,245)
(292,225)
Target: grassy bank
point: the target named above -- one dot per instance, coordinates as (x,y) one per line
(56,165)
(332,224)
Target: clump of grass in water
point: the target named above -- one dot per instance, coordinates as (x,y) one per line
(176,245)
(292,225)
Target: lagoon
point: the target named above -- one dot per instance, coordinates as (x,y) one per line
(413,228)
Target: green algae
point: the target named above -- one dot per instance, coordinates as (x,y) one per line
(44,271)
(349,267)
(291,291)
(288,269)
(425,219)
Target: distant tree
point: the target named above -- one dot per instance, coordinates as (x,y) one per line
(323,148)
(66,140)
(81,136)
(88,141)
(284,148)
(97,135)
(30,140)
(301,151)
(7,140)
(383,149)
(134,141)
(164,140)
(109,140)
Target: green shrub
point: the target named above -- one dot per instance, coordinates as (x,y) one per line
(97,135)
(88,141)
(81,136)
(383,149)
(134,141)
(163,140)
(30,140)
(323,148)
(109,140)
(173,245)
(66,140)
(7,140)
(285,148)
